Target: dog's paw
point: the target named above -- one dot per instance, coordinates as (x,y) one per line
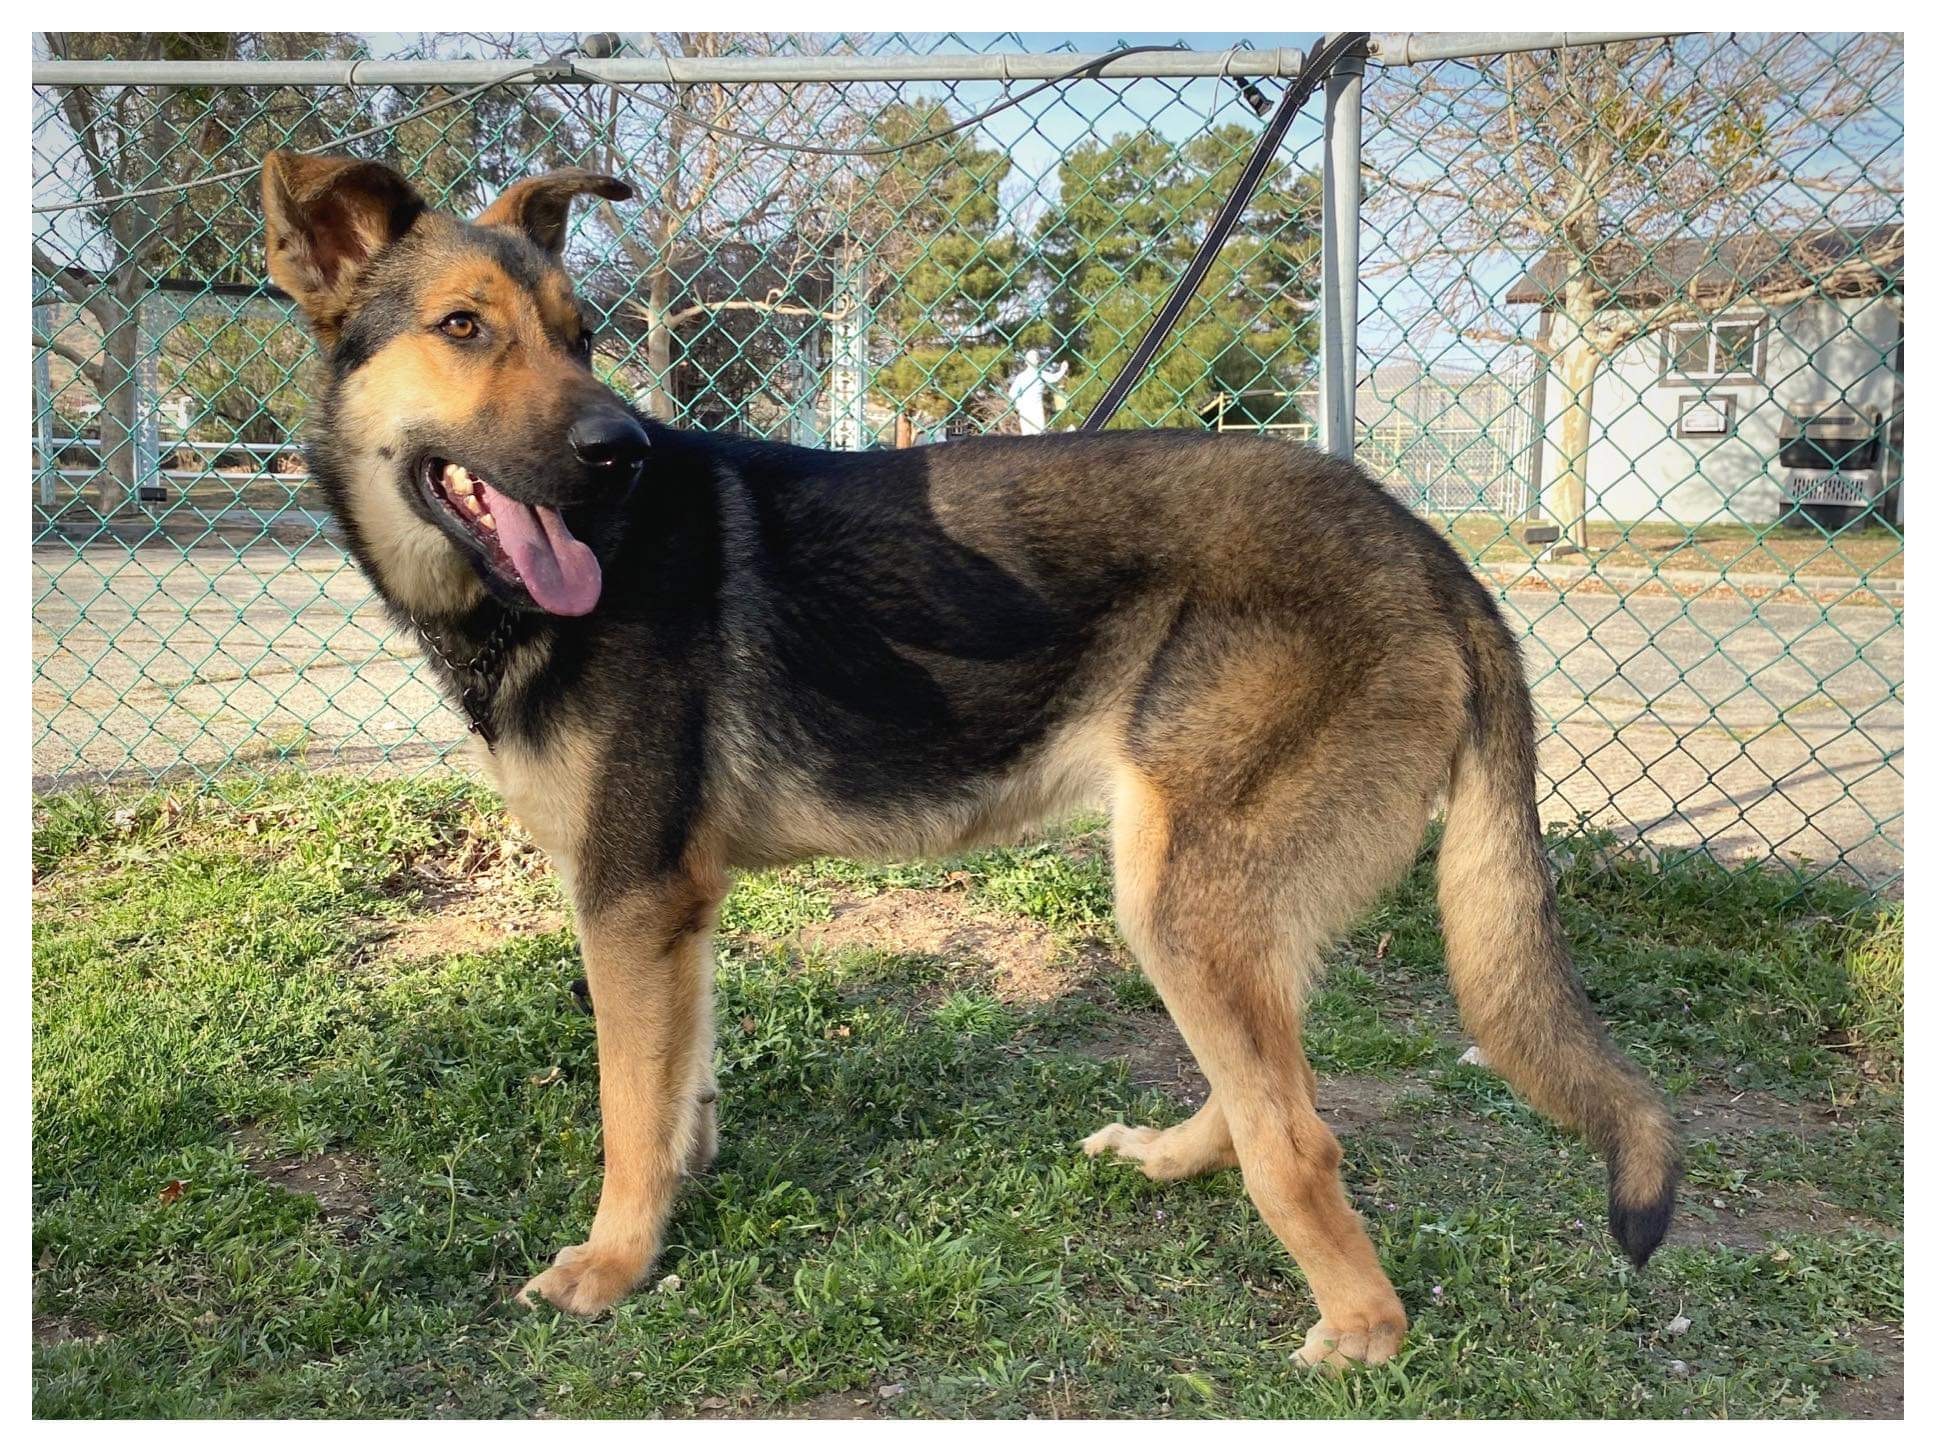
(1121,1139)
(1177,1153)
(1334,1347)
(584,1281)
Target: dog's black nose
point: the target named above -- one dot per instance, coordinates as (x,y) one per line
(608,440)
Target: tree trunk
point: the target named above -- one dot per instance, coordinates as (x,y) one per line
(1575,366)
(119,421)
(658,346)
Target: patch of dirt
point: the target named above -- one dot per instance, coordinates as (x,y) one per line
(1351,1102)
(1871,1398)
(1745,1220)
(464,923)
(340,1183)
(1154,1053)
(53,1330)
(852,1405)
(1027,961)
(473,892)
(1706,1113)
(847,1406)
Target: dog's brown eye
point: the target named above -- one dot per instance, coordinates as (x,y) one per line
(459,325)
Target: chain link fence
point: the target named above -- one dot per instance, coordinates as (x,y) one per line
(1623,319)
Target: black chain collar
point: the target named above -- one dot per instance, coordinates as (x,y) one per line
(479,677)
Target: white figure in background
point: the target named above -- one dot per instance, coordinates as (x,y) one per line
(1029,386)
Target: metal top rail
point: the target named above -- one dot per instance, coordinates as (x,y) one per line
(1284,62)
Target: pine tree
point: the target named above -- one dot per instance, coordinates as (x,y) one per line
(947,267)
(1131,213)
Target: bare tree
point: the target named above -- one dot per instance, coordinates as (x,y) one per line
(702,191)
(119,140)
(98,145)
(1636,186)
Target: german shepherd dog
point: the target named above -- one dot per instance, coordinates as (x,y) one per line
(691,654)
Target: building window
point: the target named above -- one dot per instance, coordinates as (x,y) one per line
(1724,348)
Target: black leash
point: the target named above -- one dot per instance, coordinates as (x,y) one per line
(1317,66)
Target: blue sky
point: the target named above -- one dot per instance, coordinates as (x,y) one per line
(1036,133)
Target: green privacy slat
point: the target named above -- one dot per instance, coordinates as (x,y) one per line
(1629,333)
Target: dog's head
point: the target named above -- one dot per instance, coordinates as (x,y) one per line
(464,439)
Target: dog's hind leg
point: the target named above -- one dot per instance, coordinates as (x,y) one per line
(648,957)
(1229,921)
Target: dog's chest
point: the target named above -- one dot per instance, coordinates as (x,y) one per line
(548,791)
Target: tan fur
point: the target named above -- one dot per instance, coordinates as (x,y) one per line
(1231,958)
(1502,940)
(326,217)
(549,791)
(380,404)
(1201,1145)
(540,206)
(417,381)
(649,964)
(780,820)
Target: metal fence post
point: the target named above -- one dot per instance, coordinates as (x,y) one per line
(146,382)
(848,376)
(1343,195)
(44,403)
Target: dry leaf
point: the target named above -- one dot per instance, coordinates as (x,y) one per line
(172,1191)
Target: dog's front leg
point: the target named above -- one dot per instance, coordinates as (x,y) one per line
(648,959)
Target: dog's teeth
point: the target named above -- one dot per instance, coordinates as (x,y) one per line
(473,503)
(487,521)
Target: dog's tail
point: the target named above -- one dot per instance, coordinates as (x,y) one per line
(1517,989)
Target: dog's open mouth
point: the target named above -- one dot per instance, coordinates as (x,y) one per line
(526,544)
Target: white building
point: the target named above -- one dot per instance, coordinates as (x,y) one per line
(1689,422)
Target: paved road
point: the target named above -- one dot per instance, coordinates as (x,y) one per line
(1756,727)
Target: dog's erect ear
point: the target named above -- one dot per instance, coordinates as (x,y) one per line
(326,217)
(540,206)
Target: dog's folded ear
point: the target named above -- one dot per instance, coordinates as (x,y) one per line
(325,218)
(540,206)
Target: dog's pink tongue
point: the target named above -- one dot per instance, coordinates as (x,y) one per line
(557,567)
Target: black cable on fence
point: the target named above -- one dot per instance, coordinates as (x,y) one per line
(1316,68)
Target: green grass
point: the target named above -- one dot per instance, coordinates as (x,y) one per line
(227,987)
(1874,1012)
